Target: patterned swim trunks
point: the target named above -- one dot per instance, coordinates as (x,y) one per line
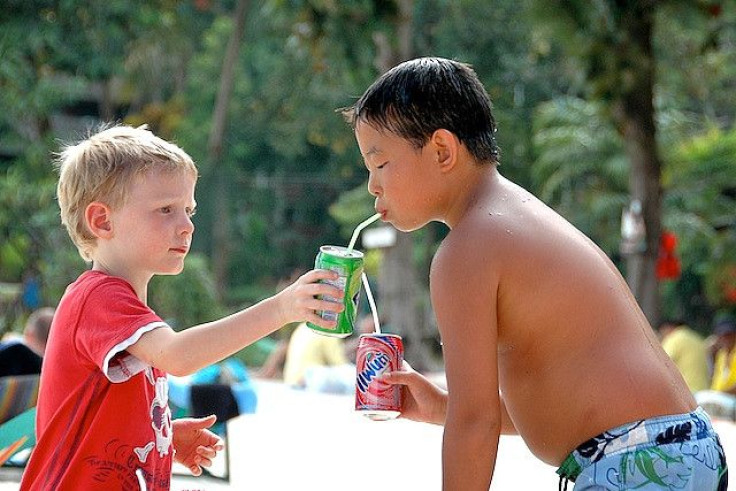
(680,452)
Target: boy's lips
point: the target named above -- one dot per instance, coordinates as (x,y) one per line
(181,250)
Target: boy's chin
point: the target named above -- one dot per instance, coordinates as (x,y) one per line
(406,226)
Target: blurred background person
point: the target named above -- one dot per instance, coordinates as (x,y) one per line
(724,367)
(318,363)
(23,356)
(720,401)
(688,350)
(36,331)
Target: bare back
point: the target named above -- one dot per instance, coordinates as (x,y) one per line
(575,354)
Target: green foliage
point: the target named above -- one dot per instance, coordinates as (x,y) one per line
(596,34)
(29,225)
(700,202)
(188,298)
(291,163)
(288,154)
(518,63)
(351,208)
(696,51)
(580,169)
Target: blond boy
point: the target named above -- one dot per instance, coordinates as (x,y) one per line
(103,421)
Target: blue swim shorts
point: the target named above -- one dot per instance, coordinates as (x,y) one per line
(680,452)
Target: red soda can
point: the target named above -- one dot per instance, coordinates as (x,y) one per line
(378,353)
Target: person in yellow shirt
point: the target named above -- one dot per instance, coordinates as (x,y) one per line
(720,401)
(724,368)
(688,350)
(317,363)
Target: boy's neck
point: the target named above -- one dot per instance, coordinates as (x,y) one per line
(473,184)
(140,285)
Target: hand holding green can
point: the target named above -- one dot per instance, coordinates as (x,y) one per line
(348,264)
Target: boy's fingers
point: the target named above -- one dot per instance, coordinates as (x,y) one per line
(195,422)
(327,305)
(326,290)
(207,452)
(318,274)
(400,378)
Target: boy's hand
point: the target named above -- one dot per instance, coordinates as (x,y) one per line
(194,445)
(421,399)
(298,301)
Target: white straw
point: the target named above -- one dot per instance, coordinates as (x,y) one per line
(372,303)
(360,227)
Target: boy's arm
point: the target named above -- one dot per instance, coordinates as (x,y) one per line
(426,402)
(464,300)
(182,353)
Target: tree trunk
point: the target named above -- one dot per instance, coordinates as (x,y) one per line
(633,111)
(220,227)
(399,300)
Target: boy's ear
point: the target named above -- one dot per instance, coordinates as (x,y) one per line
(97,217)
(446,146)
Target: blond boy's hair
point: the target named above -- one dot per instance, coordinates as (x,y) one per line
(102,168)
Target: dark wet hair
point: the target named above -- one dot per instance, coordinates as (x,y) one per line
(418,97)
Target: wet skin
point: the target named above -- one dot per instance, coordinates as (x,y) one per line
(527,307)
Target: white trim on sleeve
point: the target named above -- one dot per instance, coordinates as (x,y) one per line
(128,365)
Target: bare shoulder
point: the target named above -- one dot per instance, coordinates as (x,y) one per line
(470,257)
(466,247)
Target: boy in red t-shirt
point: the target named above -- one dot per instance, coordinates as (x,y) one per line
(103,421)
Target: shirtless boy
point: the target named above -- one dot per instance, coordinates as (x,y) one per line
(549,343)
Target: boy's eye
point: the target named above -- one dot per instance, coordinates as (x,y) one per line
(382,165)
(166,209)
(191,212)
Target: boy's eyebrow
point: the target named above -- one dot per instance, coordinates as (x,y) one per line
(373,150)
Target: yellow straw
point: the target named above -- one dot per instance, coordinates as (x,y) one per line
(360,227)
(372,303)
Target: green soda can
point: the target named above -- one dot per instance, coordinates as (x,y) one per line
(349,265)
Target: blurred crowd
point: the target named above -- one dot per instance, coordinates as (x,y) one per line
(708,364)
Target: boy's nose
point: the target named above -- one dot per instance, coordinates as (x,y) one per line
(188,226)
(373,186)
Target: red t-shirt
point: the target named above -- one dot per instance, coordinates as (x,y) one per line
(103,420)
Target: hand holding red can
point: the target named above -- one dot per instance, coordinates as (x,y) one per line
(378,354)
